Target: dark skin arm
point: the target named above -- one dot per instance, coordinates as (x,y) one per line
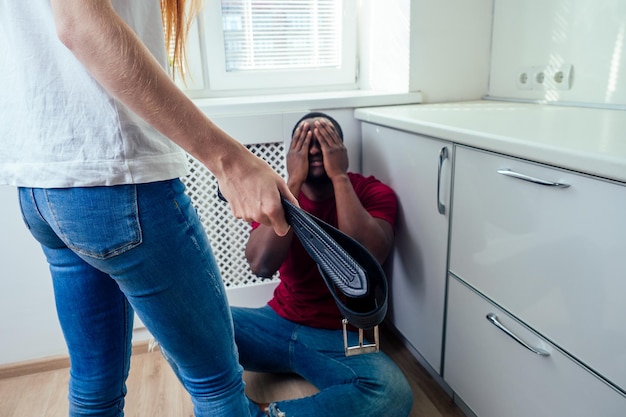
(266,251)
(354,220)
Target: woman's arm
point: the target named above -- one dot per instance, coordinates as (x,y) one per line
(120,62)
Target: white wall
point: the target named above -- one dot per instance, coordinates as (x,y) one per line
(28,321)
(384,34)
(589,34)
(450,48)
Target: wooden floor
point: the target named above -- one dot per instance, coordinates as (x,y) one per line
(153,390)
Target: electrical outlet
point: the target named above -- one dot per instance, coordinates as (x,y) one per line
(538,78)
(561,77)
(548,77)
(523,80)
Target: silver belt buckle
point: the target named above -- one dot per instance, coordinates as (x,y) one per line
(360,349)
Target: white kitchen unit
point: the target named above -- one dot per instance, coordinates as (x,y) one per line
(550,252)
(535,292)
(543,249)
(418,168)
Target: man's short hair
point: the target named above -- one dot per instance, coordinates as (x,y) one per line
(315,114)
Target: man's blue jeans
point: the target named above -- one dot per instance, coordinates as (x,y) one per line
(116,249)
(368,385)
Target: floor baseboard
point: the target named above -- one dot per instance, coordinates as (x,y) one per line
(52,363)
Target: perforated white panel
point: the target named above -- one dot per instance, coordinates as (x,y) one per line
(227,234)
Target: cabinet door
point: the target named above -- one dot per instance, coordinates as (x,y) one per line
(498,377)
(410,164)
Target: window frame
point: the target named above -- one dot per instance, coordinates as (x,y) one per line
(208,76)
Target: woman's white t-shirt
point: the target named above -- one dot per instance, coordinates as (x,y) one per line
(58,127)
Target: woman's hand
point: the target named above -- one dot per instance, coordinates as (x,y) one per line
(253,190)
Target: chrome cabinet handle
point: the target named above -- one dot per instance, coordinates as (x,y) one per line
(494,320)
(443,155)
(524,177)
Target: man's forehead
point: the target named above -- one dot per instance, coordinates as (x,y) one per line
(313,119)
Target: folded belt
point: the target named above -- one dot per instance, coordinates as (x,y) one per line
(353,276)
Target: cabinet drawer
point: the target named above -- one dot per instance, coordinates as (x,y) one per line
(551,256)
(495,376)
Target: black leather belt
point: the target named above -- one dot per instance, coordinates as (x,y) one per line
(353,276)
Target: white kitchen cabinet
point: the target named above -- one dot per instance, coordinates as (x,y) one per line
(418,168)
(498,377)
(544,249)
(546,257)
(552,255)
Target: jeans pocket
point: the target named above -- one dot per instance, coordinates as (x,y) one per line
(98,222)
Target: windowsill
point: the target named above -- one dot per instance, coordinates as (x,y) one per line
(304,101)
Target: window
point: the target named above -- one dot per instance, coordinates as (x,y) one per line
(273,46)
(265,36)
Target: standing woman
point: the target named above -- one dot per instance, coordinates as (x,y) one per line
(91,131)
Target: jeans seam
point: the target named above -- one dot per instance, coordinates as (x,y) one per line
(195,237)
(126,366)
(292,343)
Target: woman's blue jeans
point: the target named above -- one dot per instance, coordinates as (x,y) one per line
(116,249)
(368,385)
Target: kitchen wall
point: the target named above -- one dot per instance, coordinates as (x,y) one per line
(467,49)
(384,33)
(450,48)
(28,323)
(544,36)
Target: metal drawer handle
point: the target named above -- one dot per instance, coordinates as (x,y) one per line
(524,177)
(494,319)
(443,155)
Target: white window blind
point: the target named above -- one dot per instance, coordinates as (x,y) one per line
(278,45)
(278,35)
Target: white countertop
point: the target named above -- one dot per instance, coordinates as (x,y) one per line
(587,140)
